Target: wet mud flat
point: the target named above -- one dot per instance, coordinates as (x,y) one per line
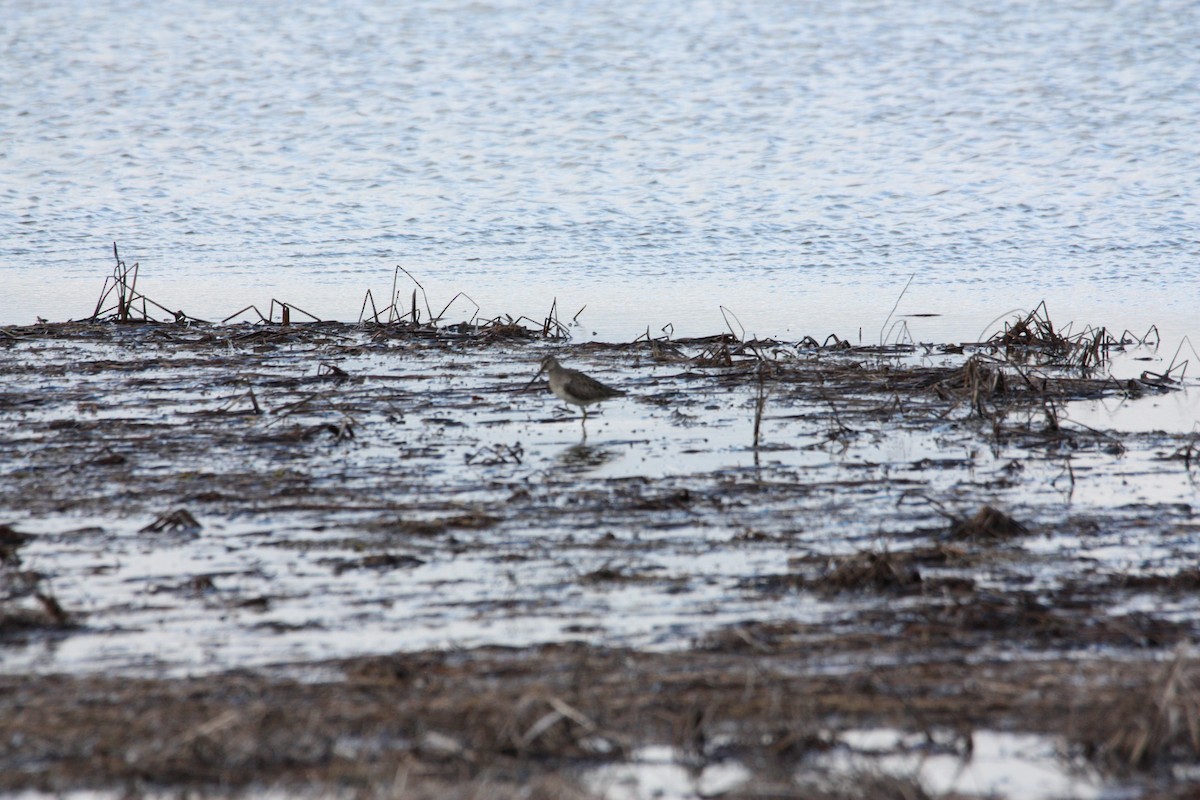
(369,561)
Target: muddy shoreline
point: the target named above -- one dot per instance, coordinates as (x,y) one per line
(216,536)
(530,722)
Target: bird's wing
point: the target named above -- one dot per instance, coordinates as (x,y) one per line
(582,385)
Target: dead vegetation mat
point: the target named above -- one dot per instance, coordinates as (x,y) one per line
(528,722)
(941,653)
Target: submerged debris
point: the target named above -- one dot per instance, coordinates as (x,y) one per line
(178,521)
(871,570)
(988,524)
(26,605)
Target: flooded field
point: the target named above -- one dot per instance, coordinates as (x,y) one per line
(373,560)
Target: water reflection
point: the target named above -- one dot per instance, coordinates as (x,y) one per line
(584,457)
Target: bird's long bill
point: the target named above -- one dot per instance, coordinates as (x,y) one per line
(533,380)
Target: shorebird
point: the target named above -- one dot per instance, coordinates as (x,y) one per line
(572,386)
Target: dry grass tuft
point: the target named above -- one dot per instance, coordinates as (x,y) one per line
(980,383)
(988,524)
(1034,337)
(1156,724)
(871,571)
(873,786)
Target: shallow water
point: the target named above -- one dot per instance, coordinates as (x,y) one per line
(465,512)
(999,765)
(795,164)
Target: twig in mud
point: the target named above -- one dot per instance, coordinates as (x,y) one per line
(255,409)
(843,431)
(52,608)
(328,370)
(1187,453)
(938,506)
(495,455)
(343,430)
(253,400)
(291,408)
(1069,471)
(1051,412)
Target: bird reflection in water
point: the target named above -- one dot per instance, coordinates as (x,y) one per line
(583,457)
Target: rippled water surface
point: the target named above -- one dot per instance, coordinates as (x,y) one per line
(793,162)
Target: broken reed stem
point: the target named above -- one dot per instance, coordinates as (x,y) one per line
(551,317)
(368,298)
(894,307)
(726,314)
(551,327)
(239,312)
(446,308)
(424,296)
(285,313)
(394,309)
